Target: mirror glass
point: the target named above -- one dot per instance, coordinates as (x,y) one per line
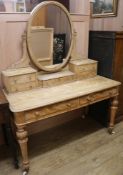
(49,36)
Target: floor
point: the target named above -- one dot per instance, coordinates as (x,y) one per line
(80,147)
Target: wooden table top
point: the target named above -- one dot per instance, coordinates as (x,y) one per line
(40,97)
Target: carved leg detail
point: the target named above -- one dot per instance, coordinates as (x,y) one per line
(113,110)
(22,140)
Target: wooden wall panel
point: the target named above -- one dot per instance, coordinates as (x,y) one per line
(11,29)
(80,7)
(109,23)
(81,25)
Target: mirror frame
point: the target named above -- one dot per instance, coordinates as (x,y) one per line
(57,67)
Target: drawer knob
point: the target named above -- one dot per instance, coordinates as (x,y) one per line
(90,99)
(68,105)
(37,114)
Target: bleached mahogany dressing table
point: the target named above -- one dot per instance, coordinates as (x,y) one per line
(37,89)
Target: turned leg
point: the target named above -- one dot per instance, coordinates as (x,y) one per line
(113,110)
(22,140)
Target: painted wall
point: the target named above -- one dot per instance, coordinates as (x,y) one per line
(109,23)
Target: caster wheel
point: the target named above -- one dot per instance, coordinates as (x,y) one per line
(25,172)
(110,130)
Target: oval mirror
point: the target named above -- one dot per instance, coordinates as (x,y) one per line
(50,36)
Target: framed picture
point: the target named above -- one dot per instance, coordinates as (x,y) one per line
(104,8)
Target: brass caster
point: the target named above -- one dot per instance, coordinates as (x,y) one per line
(111,130)
(25,172)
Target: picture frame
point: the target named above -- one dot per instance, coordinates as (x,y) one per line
(104,8)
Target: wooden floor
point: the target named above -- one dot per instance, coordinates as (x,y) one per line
(80,147)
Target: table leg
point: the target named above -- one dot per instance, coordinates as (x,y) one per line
(113,110)
(10,140)
(22,136)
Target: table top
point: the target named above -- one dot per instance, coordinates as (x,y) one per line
(40,97)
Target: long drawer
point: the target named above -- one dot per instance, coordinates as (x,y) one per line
(51,110)
(62,107)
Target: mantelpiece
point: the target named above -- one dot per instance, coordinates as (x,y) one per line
(36,92)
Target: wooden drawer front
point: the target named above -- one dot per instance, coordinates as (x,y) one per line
(51,110)
(22,79)
(84,75)
(98,96)
(105,94)
(91,67)
(23,87)
(83,101)
(58,81)
(83,68)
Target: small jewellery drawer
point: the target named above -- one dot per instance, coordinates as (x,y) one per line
(19,79)
(22,79)
(90,67)
(50,110)
(23,87)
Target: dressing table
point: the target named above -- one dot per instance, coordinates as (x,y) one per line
(37,89)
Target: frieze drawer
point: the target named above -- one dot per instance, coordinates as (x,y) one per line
(98,96)
(104,95)
(51,110)
(23,87)
(22,79)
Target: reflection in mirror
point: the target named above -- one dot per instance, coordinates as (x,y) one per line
(49,35)
(53,31)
